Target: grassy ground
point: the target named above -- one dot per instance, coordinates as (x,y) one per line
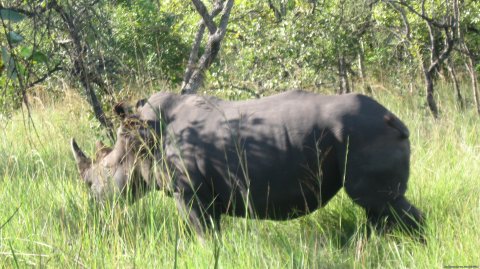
(48,220)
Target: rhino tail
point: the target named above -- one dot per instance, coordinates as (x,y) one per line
(397,124)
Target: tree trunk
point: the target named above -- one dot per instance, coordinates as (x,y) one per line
(80,69)
(195,72)
(429,91)
(193,55)
(276,11)
(361,70)
(453,75)
(470,62)
(473,77)
(437,57)
(343,76)
(193,59)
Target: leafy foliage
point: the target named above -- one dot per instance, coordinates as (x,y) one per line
(270,45)
(146,40)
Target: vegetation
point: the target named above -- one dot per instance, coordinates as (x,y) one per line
(69,62)
(258,48)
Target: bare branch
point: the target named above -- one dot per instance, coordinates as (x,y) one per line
(193,58)
(193,54)
(207,20)
(445,52)
(224,20)
(80,69)
(404,19)
(45,76)
(432,40)
(422,14)
(38,11)
(194,77)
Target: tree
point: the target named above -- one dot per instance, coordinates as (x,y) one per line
(72,20)
(102,46)
(79,53)
(443,28)
(468,37)
(25,63)
(194,74)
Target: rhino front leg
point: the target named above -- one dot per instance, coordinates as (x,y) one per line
(201,217)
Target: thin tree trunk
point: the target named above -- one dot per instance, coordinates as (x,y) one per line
(195,73)
(352,82)
(193,58)
(80,70)
(277,12)
(343,76)
(193,55)
(436,57)
(429,91)
(473,78)
(361,66)
(470,62)
(453,75)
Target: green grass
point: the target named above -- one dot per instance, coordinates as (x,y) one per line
(55,224)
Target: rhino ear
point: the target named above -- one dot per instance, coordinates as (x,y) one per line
(141,103)
(122,110)
(99,145)
(83,162)
(101,150)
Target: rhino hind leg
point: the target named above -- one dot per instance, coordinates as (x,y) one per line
(384,202)
(398,213)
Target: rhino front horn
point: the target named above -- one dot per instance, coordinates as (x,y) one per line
(83,162)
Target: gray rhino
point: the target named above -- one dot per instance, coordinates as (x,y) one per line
(278,157)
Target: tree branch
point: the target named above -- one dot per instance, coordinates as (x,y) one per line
(207,20)
(276,12)
(45,76)
(224,19)
(211,50)
(404,19)
(445,52)
(193,58)
(422,14)
(80,69)
(38,11)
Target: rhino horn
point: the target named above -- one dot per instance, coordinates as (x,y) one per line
(83,162)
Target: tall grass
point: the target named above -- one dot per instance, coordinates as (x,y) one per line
(47,218)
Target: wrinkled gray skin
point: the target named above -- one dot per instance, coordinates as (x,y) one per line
(278,157)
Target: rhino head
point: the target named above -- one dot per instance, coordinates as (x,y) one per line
(129,168)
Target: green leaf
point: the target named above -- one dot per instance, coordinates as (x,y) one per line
(11,70)
(29,53)
(39,57)
(21,69)
(14,38)
(26,52)
(5,55)
(10,63)
(11,15)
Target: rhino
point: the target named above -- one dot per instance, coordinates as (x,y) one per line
(278,157)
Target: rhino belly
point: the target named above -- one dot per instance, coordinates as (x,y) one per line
(282,196)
